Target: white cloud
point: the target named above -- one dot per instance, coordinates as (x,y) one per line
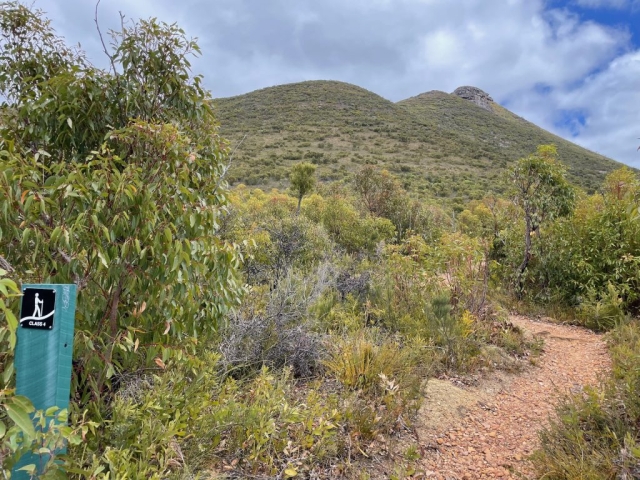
(618,4)
(401,48)
(508,50)
(608,103)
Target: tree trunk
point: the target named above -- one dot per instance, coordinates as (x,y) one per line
(113,310)
(527,254)
(299,203)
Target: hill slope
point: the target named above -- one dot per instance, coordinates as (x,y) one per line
(502,135)
(438,143)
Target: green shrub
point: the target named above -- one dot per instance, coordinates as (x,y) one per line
(602,312)
(188,419)
(386,379)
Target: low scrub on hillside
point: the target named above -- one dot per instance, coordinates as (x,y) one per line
(439,145)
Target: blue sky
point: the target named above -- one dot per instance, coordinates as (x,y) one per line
(570,66)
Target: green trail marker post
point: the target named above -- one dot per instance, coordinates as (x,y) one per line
(44,351)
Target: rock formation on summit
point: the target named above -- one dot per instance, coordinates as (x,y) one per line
(475,95)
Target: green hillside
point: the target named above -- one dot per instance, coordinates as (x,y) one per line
(503,136)
(438,143)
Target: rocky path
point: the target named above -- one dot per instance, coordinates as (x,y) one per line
(487,432)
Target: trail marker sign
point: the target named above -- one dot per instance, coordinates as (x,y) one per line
(43,358)
(38,308)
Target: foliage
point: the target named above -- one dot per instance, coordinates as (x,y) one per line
(273,238)
(543,193)
(438,145)
(463,263)
(112,179)
(124,206)
(386,378)
(596,435)
(382,196)
(593,251)
(358,362)
(346,226)
(302,178)
(203,421)
(279,334)
(437,294)
(378,189)
(603,311)
(248,333)
(50,87)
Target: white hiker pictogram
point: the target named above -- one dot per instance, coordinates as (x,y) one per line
(37,316)
(37,312)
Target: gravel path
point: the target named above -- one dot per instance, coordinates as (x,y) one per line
(487,432)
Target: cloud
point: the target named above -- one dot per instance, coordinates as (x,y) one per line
(600,114)
(617,4)
(524,53)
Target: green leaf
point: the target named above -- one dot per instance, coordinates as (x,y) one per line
(50,411)
(18,409)
(103,260)
(30,469)
(12,321)
(8,372)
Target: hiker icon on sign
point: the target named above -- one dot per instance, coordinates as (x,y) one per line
(41,302)
(37,312)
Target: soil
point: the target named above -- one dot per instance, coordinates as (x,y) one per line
(488,431)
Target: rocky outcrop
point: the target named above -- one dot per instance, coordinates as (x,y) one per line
(475,95)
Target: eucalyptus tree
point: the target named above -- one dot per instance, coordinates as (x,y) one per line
(113,179)
(539,187)
(303,180)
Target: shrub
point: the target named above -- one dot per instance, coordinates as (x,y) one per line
(123,200)
(202,420)
(385,376)
(279,334)
(602,312)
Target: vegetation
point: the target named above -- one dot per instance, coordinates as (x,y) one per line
(302,180)
(235,333)
(543,193)
(438,145)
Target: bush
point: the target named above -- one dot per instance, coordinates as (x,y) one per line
(124,200)
(202,420)
(346,226)
(386,377)
(598,245)
(602,312)
(279,334)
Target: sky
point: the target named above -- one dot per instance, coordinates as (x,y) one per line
(570,66)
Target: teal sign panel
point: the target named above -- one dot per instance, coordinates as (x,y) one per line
(44,352)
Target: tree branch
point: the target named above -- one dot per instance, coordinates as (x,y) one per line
(5,265)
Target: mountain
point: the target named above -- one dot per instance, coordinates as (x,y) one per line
(455,146)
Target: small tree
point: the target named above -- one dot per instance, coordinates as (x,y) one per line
(377,188)
(303,180)
(112,179)
(540,188)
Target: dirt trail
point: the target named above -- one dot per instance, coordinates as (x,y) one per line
(488,431)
